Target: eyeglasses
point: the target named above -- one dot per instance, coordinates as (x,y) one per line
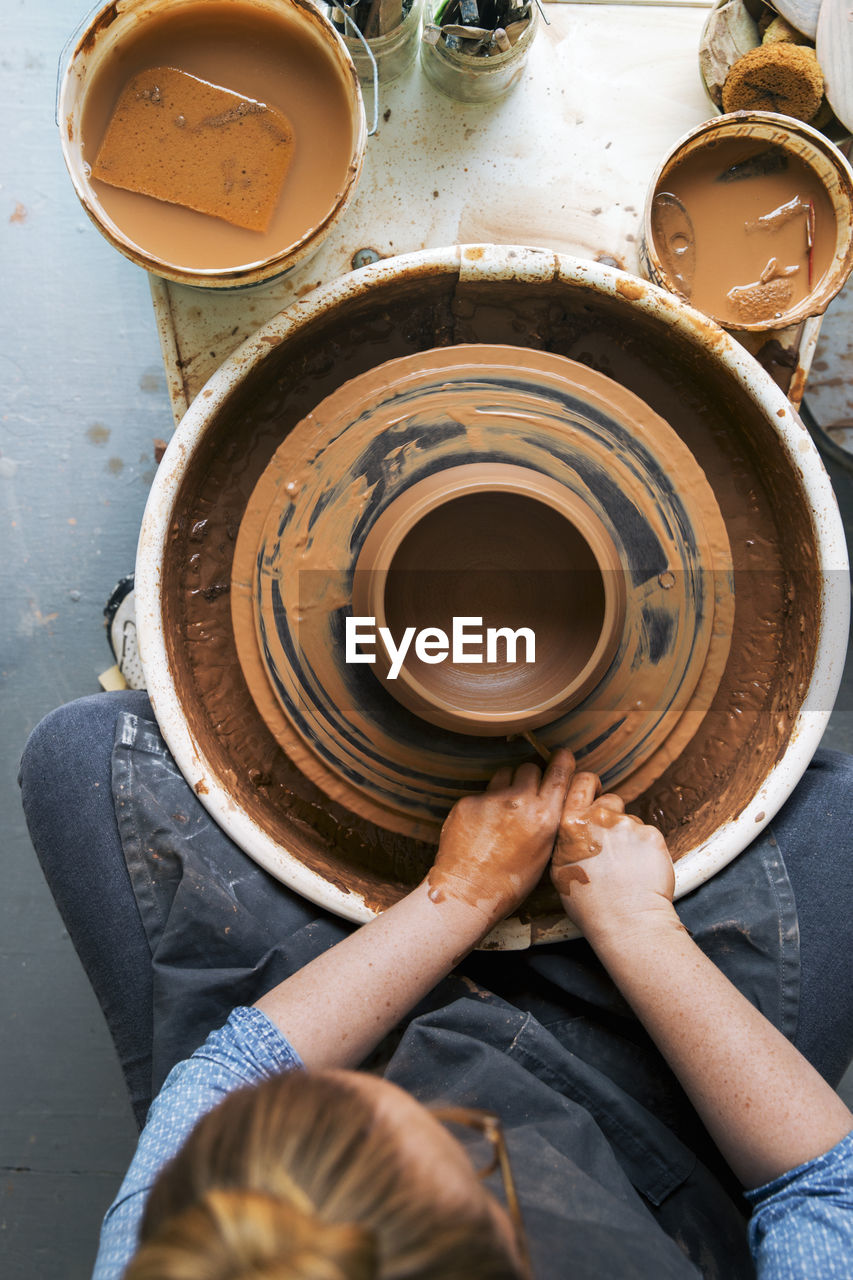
(489,1125)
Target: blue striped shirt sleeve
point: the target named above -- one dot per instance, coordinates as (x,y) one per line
(247,1049)
(802,1223)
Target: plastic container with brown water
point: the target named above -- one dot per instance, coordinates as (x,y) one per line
(809,150)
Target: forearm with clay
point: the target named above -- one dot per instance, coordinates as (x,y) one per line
(337,1009)
(764,1105)
(493,849)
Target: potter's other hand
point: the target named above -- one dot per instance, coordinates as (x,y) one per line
(610,869)
(494,846)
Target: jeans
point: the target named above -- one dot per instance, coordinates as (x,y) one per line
(67,790)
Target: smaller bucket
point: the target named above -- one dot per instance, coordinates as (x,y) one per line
(803,144)
(394,52)
(478,78)
(100,48)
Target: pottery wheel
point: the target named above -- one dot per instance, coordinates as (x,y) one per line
(417,421)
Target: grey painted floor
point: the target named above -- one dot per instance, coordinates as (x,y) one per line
(83,399)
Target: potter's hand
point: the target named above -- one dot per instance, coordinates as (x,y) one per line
(610,869)
(495,846)
(493,849)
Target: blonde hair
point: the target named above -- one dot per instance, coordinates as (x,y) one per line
(299,1179)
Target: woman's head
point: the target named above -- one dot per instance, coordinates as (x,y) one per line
(325,1176)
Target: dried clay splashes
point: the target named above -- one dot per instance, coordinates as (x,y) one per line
(284,116)
(744,231)
(180,139)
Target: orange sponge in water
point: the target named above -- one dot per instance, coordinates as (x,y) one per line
(182,140)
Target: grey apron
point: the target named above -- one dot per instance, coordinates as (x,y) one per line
(616,1175)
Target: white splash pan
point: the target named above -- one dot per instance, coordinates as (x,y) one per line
(503,263)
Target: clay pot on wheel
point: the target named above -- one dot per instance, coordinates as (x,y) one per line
(511,546)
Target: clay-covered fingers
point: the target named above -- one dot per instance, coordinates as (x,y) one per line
(623,867)
(558,776)
(583,789)
(500,779)
(612,802)
(526,778)
(495,845)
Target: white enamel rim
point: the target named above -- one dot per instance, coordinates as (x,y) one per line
(495,262)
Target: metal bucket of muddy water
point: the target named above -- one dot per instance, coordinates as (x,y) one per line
(750,218)
(270,61)
(725,429)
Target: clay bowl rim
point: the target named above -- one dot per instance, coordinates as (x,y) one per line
(498,263)
(775,128)
(386,536)
(75,72)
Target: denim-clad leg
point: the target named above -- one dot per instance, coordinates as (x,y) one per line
(66,782)
(173,923)
(814,831)
(66,788)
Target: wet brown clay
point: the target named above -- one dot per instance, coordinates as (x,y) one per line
(769,528)
(338,470)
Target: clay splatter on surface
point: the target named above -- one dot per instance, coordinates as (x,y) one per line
(98,434)
(152,380)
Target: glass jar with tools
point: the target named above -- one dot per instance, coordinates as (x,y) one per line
(475,50)
(391,29)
